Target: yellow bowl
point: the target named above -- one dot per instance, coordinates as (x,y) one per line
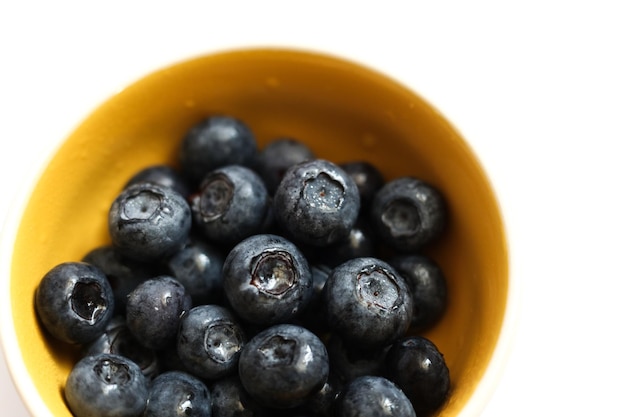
(344,112)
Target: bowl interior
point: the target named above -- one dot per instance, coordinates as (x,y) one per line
(341,110)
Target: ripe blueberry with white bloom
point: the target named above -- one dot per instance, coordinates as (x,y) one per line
(316,203)
(148,221)
(283,366)
(106,385)
(267,279)
(367,302)
(74,302)
(154,310)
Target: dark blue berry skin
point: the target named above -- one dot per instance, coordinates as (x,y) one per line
(209,341)
(215,142)
(359,243)
(154,309)
(170,361)
(415,364)
(74,302)
(148,222)
(349,362)
(428,288)
(367,302)
(283,366)
(106,385)
(267,279)
(117,339)
(314,316)
(373,396)
(163,175)
(178,394)
(230,399)
(322,402)
(407,214)
(124,274)
(279,155)
(198,266)
(316,203)
(367,178)
(232,204)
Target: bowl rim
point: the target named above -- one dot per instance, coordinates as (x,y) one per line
(19,375)
(8,336)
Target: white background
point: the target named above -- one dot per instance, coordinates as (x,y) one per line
(538,89)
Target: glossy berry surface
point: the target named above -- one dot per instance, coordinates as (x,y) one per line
(408,213)
(428,288)
(178,394)
(232,204)
(415,364)
(148,222)
(154,309)
(367,302)
(316,203)
(209,341)
(283,366)
(215,142)
(74,302)
(267,279)
(106,385)
(373,396)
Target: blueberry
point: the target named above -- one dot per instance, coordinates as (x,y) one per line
(316,203)
(154,309)
(148,222)
(267,279)
(321,403)
(367,302)
(230,399)
(177,393)
(232,204)
(407,213)
(415,364)
(170,361)
(367,178)
(428,288)
(283,366)
(215,142)
(349,362)
(373,396)
(314,317)
(106,385)
(117,339)
(319,274)
(163,175)
(279,155)
(74,302)
(359,243)
(198,266)
(209,341)
(123,274)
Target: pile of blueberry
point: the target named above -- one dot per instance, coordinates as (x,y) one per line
(255,282)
